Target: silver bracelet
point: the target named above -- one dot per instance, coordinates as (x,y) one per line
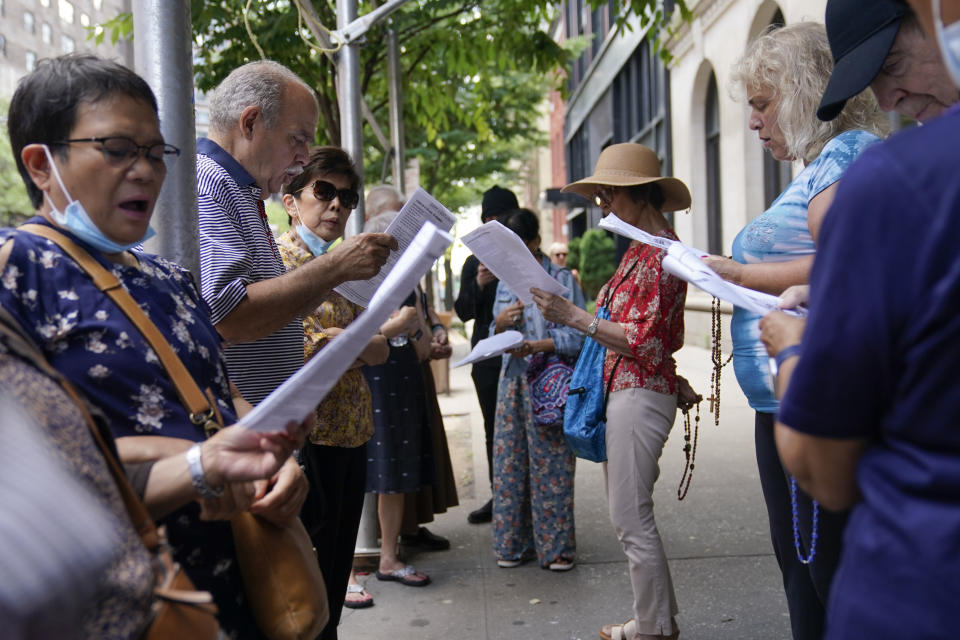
(197,475)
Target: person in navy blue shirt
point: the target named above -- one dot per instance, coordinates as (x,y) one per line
(868,417)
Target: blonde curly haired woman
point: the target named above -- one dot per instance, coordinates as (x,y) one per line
(783,74)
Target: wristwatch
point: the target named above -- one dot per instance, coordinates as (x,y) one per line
(198,477)
(593,326)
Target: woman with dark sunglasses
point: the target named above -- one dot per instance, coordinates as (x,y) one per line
(319,201)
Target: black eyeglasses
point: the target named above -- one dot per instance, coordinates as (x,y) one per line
(120,151)
(323,190)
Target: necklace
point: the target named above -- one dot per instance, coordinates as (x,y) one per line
(689,451)
(796,525)
(716,355)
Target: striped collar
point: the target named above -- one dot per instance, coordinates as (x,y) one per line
(215,152)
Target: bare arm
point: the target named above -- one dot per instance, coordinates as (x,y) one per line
(559,309)
(824,467)
(271,304)
(770,277)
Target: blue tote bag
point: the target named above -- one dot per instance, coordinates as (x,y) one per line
(585,415)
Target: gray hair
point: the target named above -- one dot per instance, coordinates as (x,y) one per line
(256,84)
(379,224)
(795,63)
(382,198)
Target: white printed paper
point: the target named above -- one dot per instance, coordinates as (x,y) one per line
(419,209)
(612,223)
(495,345)
(685,263)
(507,257)
(296,399)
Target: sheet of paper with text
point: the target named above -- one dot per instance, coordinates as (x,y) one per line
(296,399)
(507,257)
(419,209)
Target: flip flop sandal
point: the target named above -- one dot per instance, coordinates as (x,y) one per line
(403,576)
(624,631)
(561,565)
(358,604)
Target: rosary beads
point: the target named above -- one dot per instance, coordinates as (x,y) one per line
(689,451)
(796,525)
(716,356)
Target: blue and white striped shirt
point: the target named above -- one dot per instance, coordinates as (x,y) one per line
(235,250)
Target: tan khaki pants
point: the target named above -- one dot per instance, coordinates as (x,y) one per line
(638,423)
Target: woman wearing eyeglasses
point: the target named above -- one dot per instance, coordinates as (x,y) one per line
(644,330)
(87,142)
(319,201)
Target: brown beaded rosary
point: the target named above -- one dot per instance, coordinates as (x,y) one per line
(689,451)
(690,435)
(717,357)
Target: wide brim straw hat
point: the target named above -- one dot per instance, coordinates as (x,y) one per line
(628,164)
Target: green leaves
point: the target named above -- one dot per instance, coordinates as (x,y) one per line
(597,260)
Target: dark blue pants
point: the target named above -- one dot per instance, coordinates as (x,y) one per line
(806,586)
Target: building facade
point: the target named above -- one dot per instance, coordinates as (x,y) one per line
(31,30)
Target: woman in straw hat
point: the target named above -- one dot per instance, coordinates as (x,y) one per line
(644,330)
(783,74)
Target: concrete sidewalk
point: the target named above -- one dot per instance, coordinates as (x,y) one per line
(726,578)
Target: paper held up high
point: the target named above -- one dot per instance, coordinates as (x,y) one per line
(685,263)
(507,257)
(296,399)
(419,209)
(616,225)
(495,345)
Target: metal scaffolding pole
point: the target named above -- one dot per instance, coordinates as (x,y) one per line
(351,123)
(163,57)
(396,111)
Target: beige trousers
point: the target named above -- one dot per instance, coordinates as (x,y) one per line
(638,423)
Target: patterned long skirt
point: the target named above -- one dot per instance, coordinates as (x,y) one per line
(533,469)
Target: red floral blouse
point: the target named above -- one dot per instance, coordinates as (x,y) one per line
(649,307)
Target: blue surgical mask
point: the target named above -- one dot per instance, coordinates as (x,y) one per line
(76,220)
(949,40)
(317,245)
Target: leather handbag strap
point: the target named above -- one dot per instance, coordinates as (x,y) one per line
(25,347)
(200,407)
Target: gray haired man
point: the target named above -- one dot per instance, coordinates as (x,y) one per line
(263,119)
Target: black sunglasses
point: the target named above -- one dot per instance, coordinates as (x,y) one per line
(323,190)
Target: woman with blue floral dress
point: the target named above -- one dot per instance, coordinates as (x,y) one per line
(533,465)
(86,136)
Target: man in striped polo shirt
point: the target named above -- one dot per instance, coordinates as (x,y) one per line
(263,118)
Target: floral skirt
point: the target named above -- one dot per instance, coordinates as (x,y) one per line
(533,469)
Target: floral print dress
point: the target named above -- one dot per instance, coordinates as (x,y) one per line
(533,465)
(86,337)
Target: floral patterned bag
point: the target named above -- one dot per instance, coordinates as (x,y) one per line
(548,381)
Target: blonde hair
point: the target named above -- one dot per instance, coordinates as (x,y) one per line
(795,63)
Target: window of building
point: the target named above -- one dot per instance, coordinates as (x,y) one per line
(84,20)
(98,4)
(3,46)
(639,101)
(46,33)
(65,9)
(29,23)
(776,174)
(67,45)
(31,60)
(712,138)
(44,3)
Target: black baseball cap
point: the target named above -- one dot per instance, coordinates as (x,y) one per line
(861,33)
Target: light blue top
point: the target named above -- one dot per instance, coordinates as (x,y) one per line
(566,341)
(779,234)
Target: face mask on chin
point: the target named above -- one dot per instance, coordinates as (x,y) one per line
(75,219)
(317,245)
(948,38)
